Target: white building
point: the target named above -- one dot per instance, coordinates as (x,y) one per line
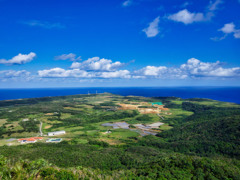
(56,133)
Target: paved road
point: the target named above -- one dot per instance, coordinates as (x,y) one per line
(40,129)
(159,113)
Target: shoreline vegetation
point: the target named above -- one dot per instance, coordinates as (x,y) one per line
(193,138)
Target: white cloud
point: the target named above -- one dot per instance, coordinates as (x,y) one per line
(90,68)
(70,56)
(62,73)
(237,33)
(214,5)
(77,73)
(186,17)
(229,29)
(152,30)
(194,68)
(105,69)
(152,70)
(127,3)
(12,73)
(19,59)
(97,64)
(43,24)
(116,74)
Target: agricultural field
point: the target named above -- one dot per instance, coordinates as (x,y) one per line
(81,116)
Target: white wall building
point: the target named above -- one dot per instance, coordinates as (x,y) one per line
(56,133)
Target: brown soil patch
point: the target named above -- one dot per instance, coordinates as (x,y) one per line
(128,106)
(47,127)
(48,114)
(162,107)
(142,110)
(148,111)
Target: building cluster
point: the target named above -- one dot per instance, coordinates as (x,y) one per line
(29,140)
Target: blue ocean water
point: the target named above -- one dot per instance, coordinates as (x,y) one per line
(228,94)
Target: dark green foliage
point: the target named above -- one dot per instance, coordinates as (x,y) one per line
(147,107)
(30,125)
(133,164)
(144,118)
(99,143)
(2,131)
(110,103)
(188,106)
(167,102)
(208,131)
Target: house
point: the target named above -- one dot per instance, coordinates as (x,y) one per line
(30,140)
(27,140)
(38,138)
(56,133)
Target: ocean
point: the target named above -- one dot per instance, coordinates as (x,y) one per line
(228,94)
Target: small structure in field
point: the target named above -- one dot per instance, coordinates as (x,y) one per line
(29,140)
(56,133)
(157,103)
(54,140)
(107,132)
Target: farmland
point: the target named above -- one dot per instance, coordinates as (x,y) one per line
(81,117)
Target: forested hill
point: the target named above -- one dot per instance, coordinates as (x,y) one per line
(200,139)
(210,130)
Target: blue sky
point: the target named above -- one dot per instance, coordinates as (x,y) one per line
(70,43)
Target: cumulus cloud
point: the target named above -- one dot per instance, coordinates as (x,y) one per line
(127,3)
(95,67)
(152,70)
(62,73)
(19,59)
(152,30)
(116,74)
(159,72)
(194,68)
(12,73)
(77,73)
(70,56)
(105,69)
(237,33)
(43,24)
(229,29)
(187,17)
(97,64)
